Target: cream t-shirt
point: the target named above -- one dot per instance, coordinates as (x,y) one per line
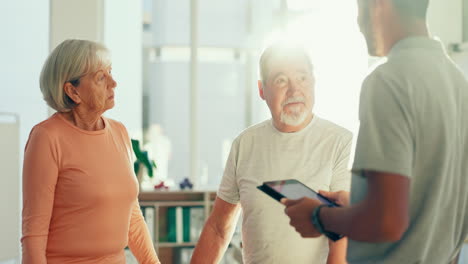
(317,156)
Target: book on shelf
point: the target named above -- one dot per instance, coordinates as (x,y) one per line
(171,224)
(148,215)
(184,224)
(179,224)
(184,255)
(197,217)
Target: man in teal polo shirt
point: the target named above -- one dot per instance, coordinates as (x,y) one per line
(409,193)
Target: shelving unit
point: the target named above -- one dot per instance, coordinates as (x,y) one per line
(161,201)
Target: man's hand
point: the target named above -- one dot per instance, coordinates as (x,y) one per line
(300,213)
(340,197)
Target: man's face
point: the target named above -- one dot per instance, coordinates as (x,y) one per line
(289,90)
(369,25)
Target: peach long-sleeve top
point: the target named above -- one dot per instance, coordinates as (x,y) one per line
(80,196)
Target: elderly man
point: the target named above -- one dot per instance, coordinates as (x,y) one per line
(409,194)
(294,143)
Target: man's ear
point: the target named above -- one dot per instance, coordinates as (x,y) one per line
(260,89)
(70,90)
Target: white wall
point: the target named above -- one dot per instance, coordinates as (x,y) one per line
(76,19)
(24,47)
(123,36)
(117,24)
(445,20)
(9,186)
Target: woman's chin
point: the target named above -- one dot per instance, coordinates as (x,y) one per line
(108,107)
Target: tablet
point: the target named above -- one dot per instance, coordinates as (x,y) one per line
(292,189)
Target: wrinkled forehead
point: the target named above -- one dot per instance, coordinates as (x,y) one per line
(298,62)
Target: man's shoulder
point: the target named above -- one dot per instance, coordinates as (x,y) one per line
(404,66)
(330,128)
(385,80)
(255,129)
(382,71)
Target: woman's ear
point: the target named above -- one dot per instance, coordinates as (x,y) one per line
(71,91)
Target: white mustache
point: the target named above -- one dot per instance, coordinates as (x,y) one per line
(291,100)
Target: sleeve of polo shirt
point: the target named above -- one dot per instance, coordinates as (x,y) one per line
(385,142)
(341,178)
(229,190)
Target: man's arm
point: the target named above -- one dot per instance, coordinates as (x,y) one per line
(217,233)
(383,216)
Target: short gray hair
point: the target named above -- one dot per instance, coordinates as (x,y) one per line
(280,50)
(68,62)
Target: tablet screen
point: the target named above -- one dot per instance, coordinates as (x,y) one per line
(293,189)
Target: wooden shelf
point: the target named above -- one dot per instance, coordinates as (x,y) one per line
(170,203)
(162,201)
(161,196)
(175,244)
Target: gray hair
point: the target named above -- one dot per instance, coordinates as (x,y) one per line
(68,62)
(280,50)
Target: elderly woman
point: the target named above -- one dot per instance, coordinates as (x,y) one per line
(79,190)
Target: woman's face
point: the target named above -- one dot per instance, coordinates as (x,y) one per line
(96,91)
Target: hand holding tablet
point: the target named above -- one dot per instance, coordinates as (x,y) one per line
(292,189)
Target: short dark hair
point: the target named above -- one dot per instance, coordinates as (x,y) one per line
(412,8)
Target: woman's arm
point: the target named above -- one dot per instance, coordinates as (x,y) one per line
(139,239)
(40,173)
(337,253)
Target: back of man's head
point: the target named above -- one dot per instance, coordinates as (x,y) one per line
(412,8)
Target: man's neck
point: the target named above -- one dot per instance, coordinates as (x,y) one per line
(406,30)
(284,128)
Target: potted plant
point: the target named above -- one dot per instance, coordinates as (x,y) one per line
(142,162)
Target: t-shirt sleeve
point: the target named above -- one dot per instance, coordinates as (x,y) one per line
(229,190)
(40,173)
(385,141)
(341,177)
(139,239)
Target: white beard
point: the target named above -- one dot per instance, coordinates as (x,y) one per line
(294,118)
(296,115)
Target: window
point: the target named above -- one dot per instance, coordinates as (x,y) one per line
(200,73)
